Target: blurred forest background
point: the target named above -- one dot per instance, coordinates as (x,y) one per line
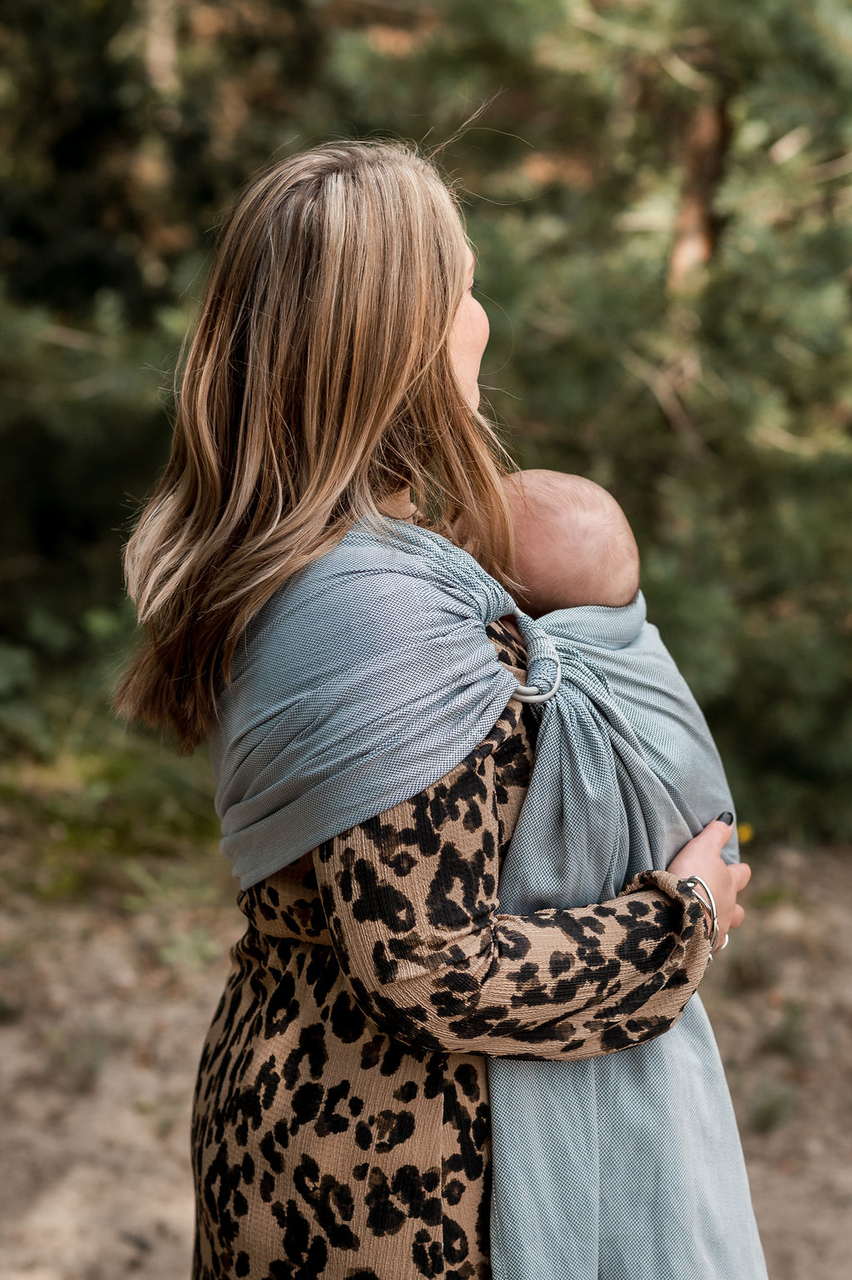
(661,200)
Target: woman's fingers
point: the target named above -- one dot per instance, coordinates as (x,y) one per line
(703,852)
(702,856)
(737,917)
(715,835)
(742,875)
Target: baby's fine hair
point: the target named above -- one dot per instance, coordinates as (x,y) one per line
(574,543)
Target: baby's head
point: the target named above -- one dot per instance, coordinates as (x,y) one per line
(574,544)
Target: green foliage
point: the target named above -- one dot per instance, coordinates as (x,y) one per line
(88,807)
(717,408)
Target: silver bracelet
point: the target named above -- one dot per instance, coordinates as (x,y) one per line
(692,881)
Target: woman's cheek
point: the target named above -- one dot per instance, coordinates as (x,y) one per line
(486,327)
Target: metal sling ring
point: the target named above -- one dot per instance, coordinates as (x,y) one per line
(530,693)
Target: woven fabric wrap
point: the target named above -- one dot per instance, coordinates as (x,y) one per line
(629,1166)
(371,677)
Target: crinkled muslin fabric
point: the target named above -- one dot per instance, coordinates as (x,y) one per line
(369,678)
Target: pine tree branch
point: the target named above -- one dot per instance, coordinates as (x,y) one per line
(661,381)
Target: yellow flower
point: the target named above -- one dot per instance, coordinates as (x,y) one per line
(745,831)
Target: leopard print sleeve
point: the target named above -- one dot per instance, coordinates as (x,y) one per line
(411,903)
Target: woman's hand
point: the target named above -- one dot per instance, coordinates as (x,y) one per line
(703,857)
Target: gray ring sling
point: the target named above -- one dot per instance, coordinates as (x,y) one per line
(369,678)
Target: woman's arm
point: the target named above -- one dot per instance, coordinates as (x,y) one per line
(411,903)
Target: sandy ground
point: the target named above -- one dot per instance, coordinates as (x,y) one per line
(104,1009)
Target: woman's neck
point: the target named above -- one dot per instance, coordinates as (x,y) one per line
(399,506)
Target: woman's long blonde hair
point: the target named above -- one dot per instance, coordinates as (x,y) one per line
(317,387)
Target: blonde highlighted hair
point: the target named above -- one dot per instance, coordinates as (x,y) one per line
(318,387)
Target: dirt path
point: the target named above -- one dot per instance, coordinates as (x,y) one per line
(781,1003)
(104,1009)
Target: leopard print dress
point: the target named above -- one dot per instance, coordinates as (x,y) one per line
(341,1124)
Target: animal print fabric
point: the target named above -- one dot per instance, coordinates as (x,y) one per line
(341,1124)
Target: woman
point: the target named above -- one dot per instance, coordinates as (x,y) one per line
(341,1124)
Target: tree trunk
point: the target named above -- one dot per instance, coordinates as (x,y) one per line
(697,227)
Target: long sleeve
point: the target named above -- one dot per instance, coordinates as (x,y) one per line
(411,903)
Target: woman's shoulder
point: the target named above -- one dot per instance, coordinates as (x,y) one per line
(360,579)
(364,598)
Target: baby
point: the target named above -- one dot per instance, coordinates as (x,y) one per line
(578,564)
(574,544)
